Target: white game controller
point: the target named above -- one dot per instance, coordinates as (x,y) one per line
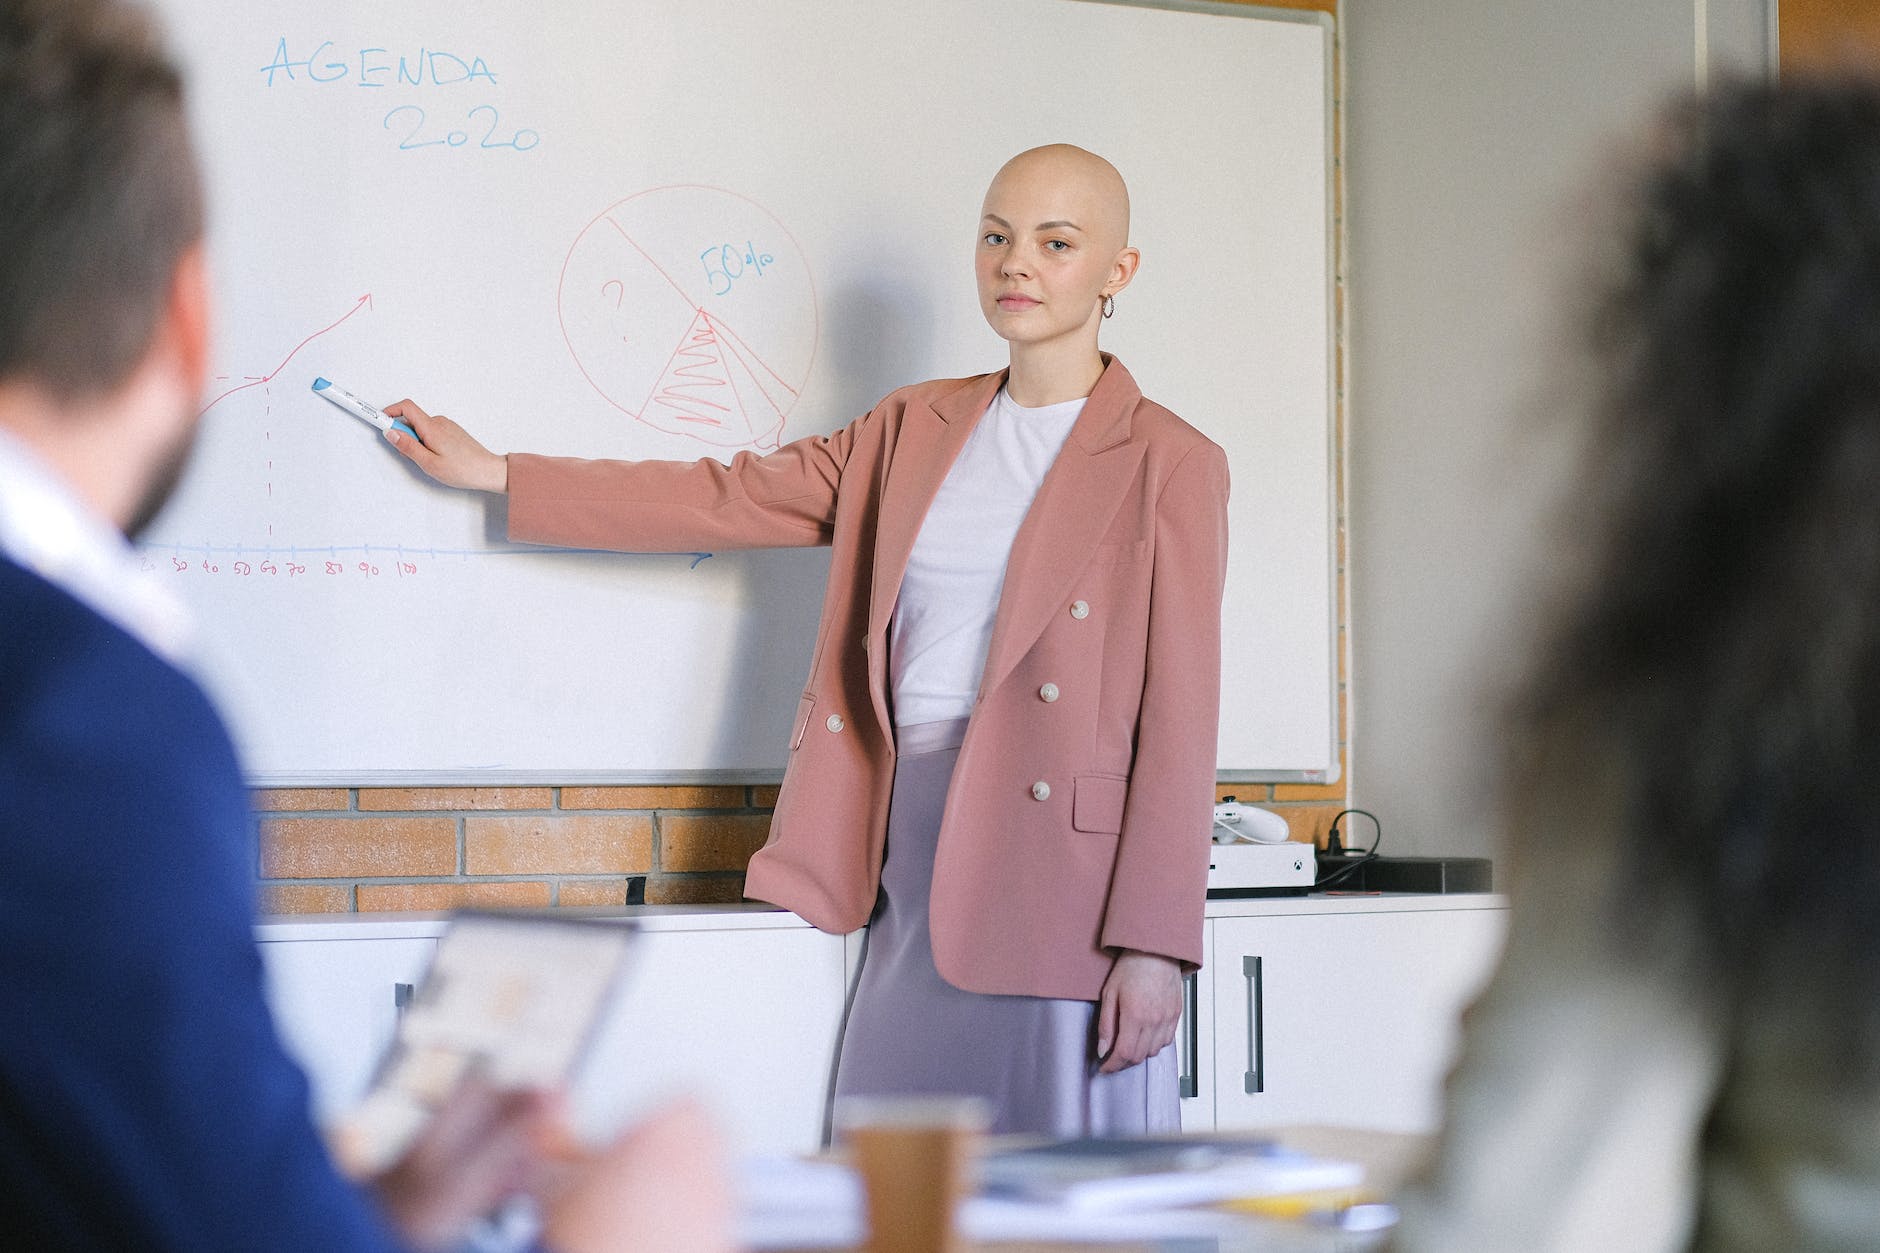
(1237,823)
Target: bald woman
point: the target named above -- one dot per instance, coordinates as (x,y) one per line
(1003,759)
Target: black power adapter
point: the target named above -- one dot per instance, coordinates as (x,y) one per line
(1362,870)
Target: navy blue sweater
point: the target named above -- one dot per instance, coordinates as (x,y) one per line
(145,1099)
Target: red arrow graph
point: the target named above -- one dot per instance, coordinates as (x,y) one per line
(256,380)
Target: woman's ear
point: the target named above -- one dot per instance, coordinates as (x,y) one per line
(1122,271)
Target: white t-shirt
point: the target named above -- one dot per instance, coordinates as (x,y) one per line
(943,617)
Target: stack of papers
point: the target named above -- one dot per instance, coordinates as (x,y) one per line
(1130,1176)
(1092,1190)
(791,1203)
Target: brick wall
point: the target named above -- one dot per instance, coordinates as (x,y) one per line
(337,850)
(341,850)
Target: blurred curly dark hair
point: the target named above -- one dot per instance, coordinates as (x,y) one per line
(1712,674)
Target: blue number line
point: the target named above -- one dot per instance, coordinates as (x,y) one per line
(396,552)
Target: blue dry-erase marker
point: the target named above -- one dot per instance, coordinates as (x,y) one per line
(359,408)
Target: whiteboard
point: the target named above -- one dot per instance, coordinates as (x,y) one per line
(560,226)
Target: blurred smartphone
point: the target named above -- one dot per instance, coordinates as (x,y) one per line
(513,998)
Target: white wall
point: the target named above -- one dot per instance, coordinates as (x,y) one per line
(1474,128)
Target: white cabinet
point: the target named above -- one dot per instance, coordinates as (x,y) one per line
(335,1003)
(1323,1011)
(1342,1018)
(738,1007)
(746,1020)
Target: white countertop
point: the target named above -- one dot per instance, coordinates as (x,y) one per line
(1354,903)
(748,916)
(754,916)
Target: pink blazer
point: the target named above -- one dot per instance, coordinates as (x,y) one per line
(1074,827)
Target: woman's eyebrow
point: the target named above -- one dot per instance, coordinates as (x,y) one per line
(1042,226)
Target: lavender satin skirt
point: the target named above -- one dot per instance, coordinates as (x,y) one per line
(911,1033)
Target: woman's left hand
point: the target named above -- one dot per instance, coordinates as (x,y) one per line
(1138,1010)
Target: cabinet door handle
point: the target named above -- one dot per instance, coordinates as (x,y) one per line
(1190,1036)
(1256,1024)
(402,996)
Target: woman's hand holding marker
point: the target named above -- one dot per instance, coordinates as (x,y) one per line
(446,451)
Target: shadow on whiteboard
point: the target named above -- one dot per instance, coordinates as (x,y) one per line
(880,337)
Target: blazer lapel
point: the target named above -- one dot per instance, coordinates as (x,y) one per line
(925,448)
(1079,496)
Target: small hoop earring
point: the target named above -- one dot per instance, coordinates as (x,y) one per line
(1109,306)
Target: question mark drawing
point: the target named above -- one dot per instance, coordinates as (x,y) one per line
(620,295)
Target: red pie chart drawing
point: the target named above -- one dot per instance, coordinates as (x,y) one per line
(692,309)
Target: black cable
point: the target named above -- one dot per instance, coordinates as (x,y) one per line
(1370,854)
(1376,840)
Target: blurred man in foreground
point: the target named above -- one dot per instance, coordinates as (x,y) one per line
(145,1099)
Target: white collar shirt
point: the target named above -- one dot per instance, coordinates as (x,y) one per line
(47,529)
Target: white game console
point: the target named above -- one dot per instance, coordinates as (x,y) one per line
(1251,854)
(1287,869)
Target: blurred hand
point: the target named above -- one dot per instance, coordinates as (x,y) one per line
(446,451)
(483,1147)
(1138,1010)
(661,1188)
